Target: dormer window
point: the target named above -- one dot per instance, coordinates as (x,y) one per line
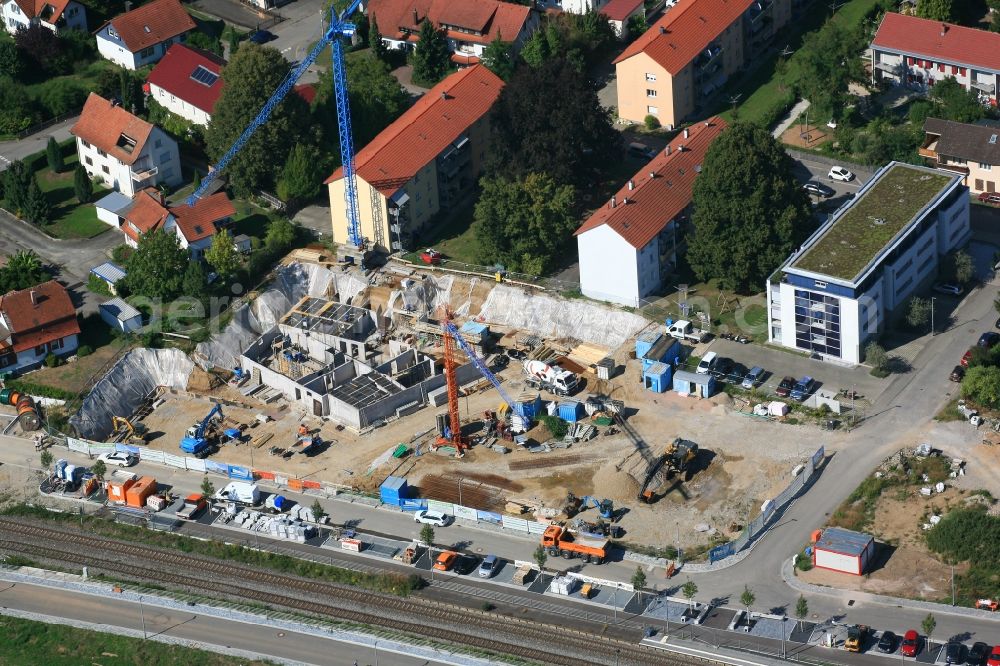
(112,33)
(126,143)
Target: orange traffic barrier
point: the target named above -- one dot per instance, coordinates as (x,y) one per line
(267,476)
(295,484)
(312,484)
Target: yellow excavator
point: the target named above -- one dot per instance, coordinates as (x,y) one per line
(128,433)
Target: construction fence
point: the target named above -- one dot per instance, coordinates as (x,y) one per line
(531,527)
(769,510)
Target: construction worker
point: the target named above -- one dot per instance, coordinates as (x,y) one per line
(303,430)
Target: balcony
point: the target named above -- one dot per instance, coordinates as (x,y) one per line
(989,88)
(142,174)
(929,149)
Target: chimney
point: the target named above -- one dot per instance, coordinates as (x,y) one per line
(444,95)
(944,28)
(631,184)
(625,201)
(666,151)
(685,132)
(652,175)
(416,21)
(34,298)
(613,201)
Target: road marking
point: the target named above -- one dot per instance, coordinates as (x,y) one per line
(286,49)
(4,160)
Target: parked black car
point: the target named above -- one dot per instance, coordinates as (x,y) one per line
(957,373)
(977,653)
(953,652)
(887,642)
(262,36)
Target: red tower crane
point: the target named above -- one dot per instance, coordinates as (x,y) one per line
(454,421)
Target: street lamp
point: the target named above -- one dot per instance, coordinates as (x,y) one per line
(782,636)
(933,332)
(376,653)
(142,618)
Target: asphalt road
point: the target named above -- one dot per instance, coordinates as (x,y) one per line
(265,641)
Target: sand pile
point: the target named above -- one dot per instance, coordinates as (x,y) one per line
(614,484)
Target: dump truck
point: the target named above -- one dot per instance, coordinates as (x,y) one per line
(857,634)
(557,540)
(685,330)
(541,375)
(193,505)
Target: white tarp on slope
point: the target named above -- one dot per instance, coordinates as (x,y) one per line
(122,389)
(423,296)
(560,318)
(291,283)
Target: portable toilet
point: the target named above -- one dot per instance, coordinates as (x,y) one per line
(394,490)
(571,410)
(657,377)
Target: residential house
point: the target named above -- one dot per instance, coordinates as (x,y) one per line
(970,150)
(839,288)
(916,53)
(187,82)
(144,35)
(628,247)
(34,323)
(572,6)
(469,25)
(425,161)
(124,151)
(195,225)
(55,15)
(690,53)
(619,12)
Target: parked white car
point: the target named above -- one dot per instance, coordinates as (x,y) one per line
(431,517)
(120,458)
(841,174)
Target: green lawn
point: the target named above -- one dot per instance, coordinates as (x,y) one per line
(27,643)
(451,234)
(70,219)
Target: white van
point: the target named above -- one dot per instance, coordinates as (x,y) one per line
(707,363)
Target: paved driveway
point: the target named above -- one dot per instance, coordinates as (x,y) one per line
(11,151)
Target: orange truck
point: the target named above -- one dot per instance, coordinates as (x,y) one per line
(557,540)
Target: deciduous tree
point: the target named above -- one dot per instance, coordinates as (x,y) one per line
(525,223)
(41,49)
(954,102)
(918,313)
(936,10)
(16,114)
(24,269)
(11,63)
(156,269)
(280,235)
(431,59)
(639,580)
(981,384)
(689,589)
(549,120)
(83,189)
(876,356)
(250,77)
(204,41)
(929,624)
(749,211)
(222,256)
(536,50)
(499,59)
(748,599)
(827,63)
(801,610)
(540,557)
(964,269)
(99,469)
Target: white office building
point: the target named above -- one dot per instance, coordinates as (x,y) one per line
(836,292)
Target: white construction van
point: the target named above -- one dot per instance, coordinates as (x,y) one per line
(240,491)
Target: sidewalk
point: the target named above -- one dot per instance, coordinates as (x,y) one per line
(788,120)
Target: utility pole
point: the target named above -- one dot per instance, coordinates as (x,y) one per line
(953,585)
(782,636)
(933,332)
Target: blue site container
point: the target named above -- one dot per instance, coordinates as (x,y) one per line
(529,406)
(571,410)
(394,490)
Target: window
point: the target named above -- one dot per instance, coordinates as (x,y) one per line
(979,184)
(652,110)
(145,53)
(89,161)
(101,153)
(158,143)
(650,92)
(105,169)
(650,76)
(168,173)
(164,157)
(961,70)
(959,160)
(986,167)
(85,144)
(40,350)
(940,67)
(56,344)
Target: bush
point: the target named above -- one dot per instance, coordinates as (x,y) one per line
(52,360)
(84,350)
(120,254)
(651,122)
(61,96)
(41,390)
(556,426)
(98,286)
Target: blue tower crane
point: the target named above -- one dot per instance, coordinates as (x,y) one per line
(338,27)
(481,366)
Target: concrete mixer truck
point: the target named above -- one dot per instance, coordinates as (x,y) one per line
(541,375)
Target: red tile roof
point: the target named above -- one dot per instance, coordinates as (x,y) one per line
(48,317)
(426,129)
(307,91)
(33,8)
(685,31)
(173,74)
(653,202)
(103,124)
(199,221)
(151,24)
(619,10)
(147,212)
(401,19)
(941,42)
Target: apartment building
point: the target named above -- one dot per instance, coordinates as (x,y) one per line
(916,53)
(628,246)
(427,160)
(469,25)
(56,15)
(838,289)
(144,35)
(690,53)
(123,151)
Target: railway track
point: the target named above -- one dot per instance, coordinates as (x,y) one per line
(531,640)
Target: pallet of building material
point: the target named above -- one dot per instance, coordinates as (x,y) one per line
(261,440)
(521,574)
(586,433)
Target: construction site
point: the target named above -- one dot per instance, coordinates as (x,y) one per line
(448,381)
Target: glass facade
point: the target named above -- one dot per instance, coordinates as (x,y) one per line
(817,322)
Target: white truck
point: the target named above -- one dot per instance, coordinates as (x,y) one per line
(240,491)
(552,378)
(684,330)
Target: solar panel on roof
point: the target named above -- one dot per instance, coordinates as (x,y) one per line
(203,76)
